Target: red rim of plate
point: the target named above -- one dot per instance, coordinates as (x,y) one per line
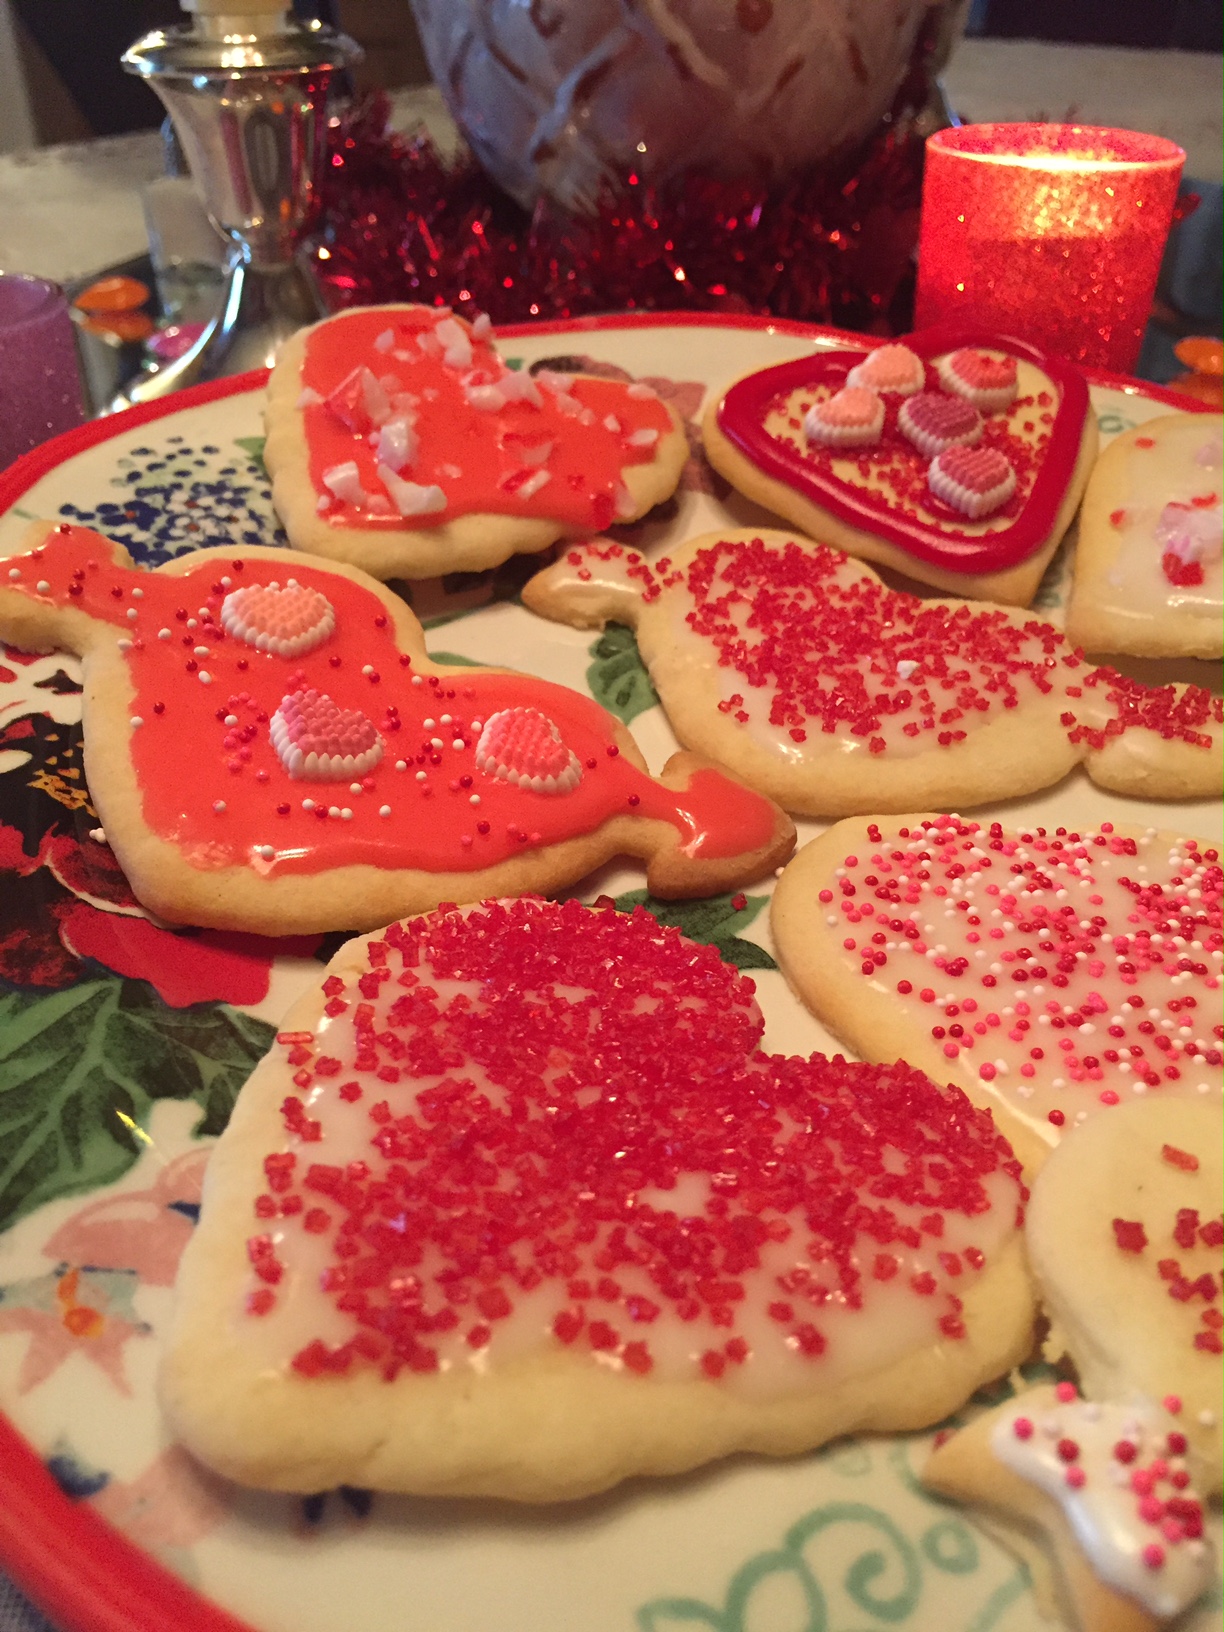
(80,1571)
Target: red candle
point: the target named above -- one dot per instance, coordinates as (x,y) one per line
(1052,233)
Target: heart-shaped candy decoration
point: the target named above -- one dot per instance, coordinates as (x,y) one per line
(933,422)
(522,746)
(975,481)
(882,491)
(288,621)
(889,368)
(988,382)
(852,418)
(318,741)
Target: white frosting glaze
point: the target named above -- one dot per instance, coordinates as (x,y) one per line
(1149,1558)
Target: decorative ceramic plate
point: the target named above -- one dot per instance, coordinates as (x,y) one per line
(123,1044)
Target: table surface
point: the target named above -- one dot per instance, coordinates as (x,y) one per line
(68,211)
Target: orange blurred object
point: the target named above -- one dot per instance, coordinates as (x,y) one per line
(113,295)
(125,326)
(1205,358)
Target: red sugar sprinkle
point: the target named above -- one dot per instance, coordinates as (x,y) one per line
(1130,1236)
(1179,1158)
(1068,1450)
(589,1101)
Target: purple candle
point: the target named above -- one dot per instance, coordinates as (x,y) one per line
(40,386)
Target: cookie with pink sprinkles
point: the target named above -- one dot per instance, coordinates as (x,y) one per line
(1054,974)
(476,1227)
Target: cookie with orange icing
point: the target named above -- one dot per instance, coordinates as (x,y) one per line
(1149,561)
(478,1226)
(270,749)
(798,668)
(1053,975)
(965,475)
(399,441)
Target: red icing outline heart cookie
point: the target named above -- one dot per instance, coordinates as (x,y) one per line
(830,492)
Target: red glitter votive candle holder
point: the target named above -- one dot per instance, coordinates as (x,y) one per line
(1051,233)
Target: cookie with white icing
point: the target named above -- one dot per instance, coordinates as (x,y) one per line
(270,749)
(1126,1237)
(476,1226)
(1149,579)
(800,669)
(1095,1493)
(964,474)
(400,442)
(1052,974)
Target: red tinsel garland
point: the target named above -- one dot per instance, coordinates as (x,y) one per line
(397,222)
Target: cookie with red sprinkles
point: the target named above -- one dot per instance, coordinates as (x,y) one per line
(797,667)
(518,1206)
(896,486)
(1126,1237)
(1054,973)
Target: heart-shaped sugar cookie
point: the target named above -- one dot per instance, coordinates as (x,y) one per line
(516,1206)
(876,501)
(1053,974)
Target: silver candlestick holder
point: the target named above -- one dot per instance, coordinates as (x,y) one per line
(246,85)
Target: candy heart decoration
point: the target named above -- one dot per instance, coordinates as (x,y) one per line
(986,381)
(975,481)
(872,497)
(524,747)
(1053,975)
(319,741)
(533,1150)
(288,621)
(934,422)
(852,418)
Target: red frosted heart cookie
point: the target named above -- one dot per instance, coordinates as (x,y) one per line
(288,621)
(933,422)
(873,500)
(318,740)
(524,747)
(982,378)
(400,441)
(975,481)
(532,1152)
